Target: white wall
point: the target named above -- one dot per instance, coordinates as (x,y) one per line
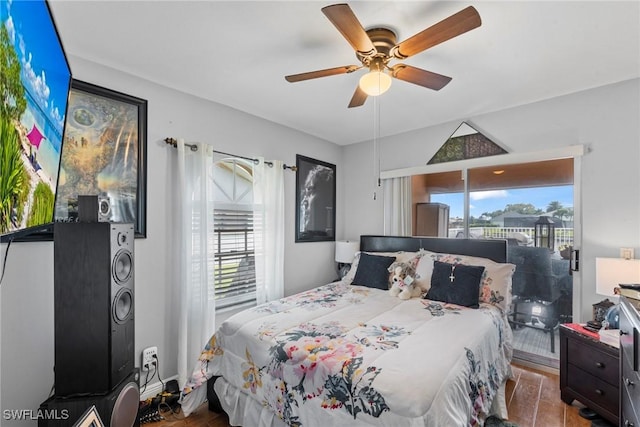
(27,290)
(606,120)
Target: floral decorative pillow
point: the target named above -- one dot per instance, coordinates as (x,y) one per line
(495,285)
(424,269)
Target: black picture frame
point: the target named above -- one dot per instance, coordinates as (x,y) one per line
(315,200)
(110,128)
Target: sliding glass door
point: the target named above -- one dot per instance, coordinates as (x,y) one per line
(508,201)
(519,202)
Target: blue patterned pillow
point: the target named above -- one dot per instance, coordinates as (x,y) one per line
(456,284)
(372,271)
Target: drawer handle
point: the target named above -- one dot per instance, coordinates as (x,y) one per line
(628,382)
(599,365)
(600,392)
(628,423)
(622,332)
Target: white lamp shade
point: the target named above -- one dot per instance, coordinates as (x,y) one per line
(611,272)
(346,250)
(375,83)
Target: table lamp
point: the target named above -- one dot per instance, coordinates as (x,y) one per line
(610,274)
(345,251)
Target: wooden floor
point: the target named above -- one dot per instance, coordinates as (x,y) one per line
(533,400)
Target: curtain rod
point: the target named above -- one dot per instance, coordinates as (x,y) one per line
(194,147)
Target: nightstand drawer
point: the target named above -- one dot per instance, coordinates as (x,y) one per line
(593,388)
(596,362)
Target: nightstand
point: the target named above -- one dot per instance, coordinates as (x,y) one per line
(589,372)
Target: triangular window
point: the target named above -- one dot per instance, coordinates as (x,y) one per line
(466,143)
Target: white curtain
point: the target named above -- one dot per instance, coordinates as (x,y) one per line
(397,206)
(195,254)
(268,199)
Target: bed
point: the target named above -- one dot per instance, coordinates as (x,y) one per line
(350,353)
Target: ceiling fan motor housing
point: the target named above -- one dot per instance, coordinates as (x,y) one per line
(384,40)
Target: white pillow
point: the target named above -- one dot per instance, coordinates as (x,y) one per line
(495,286)
(401,256)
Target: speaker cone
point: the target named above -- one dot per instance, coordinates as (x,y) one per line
(122,266)
(125,408)
(104,207)
(122,305)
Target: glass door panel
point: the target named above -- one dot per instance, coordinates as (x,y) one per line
(510,199)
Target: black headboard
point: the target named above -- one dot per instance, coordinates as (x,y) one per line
(495,250)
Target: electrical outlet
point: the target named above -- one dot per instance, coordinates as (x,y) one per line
(626,253)
(148,358)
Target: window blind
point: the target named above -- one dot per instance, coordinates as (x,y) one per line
(235,273)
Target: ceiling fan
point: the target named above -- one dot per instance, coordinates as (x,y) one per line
(376,47)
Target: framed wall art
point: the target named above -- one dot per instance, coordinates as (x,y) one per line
(315,200)
(104,154)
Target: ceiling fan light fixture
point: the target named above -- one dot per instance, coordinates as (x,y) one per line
(375,83)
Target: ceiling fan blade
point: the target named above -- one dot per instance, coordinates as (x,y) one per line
(322,73)
(347,23)
(459,23)
(419,77)
(358,98)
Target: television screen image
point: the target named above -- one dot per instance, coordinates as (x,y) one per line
(34,89)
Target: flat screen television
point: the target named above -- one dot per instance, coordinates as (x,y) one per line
(34,89)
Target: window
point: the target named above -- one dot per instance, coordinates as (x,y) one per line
(234,271)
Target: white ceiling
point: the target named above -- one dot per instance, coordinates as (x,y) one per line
(237,53)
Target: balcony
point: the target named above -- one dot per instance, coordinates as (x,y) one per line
(520,236)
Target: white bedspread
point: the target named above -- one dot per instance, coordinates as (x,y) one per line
(351,355)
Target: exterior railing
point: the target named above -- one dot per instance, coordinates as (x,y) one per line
(524,235)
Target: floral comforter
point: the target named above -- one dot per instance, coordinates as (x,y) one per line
(349,355)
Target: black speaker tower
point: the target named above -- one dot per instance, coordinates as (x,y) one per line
(93,298)
(93,278)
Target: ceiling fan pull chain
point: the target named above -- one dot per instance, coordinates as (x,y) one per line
(376,146)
